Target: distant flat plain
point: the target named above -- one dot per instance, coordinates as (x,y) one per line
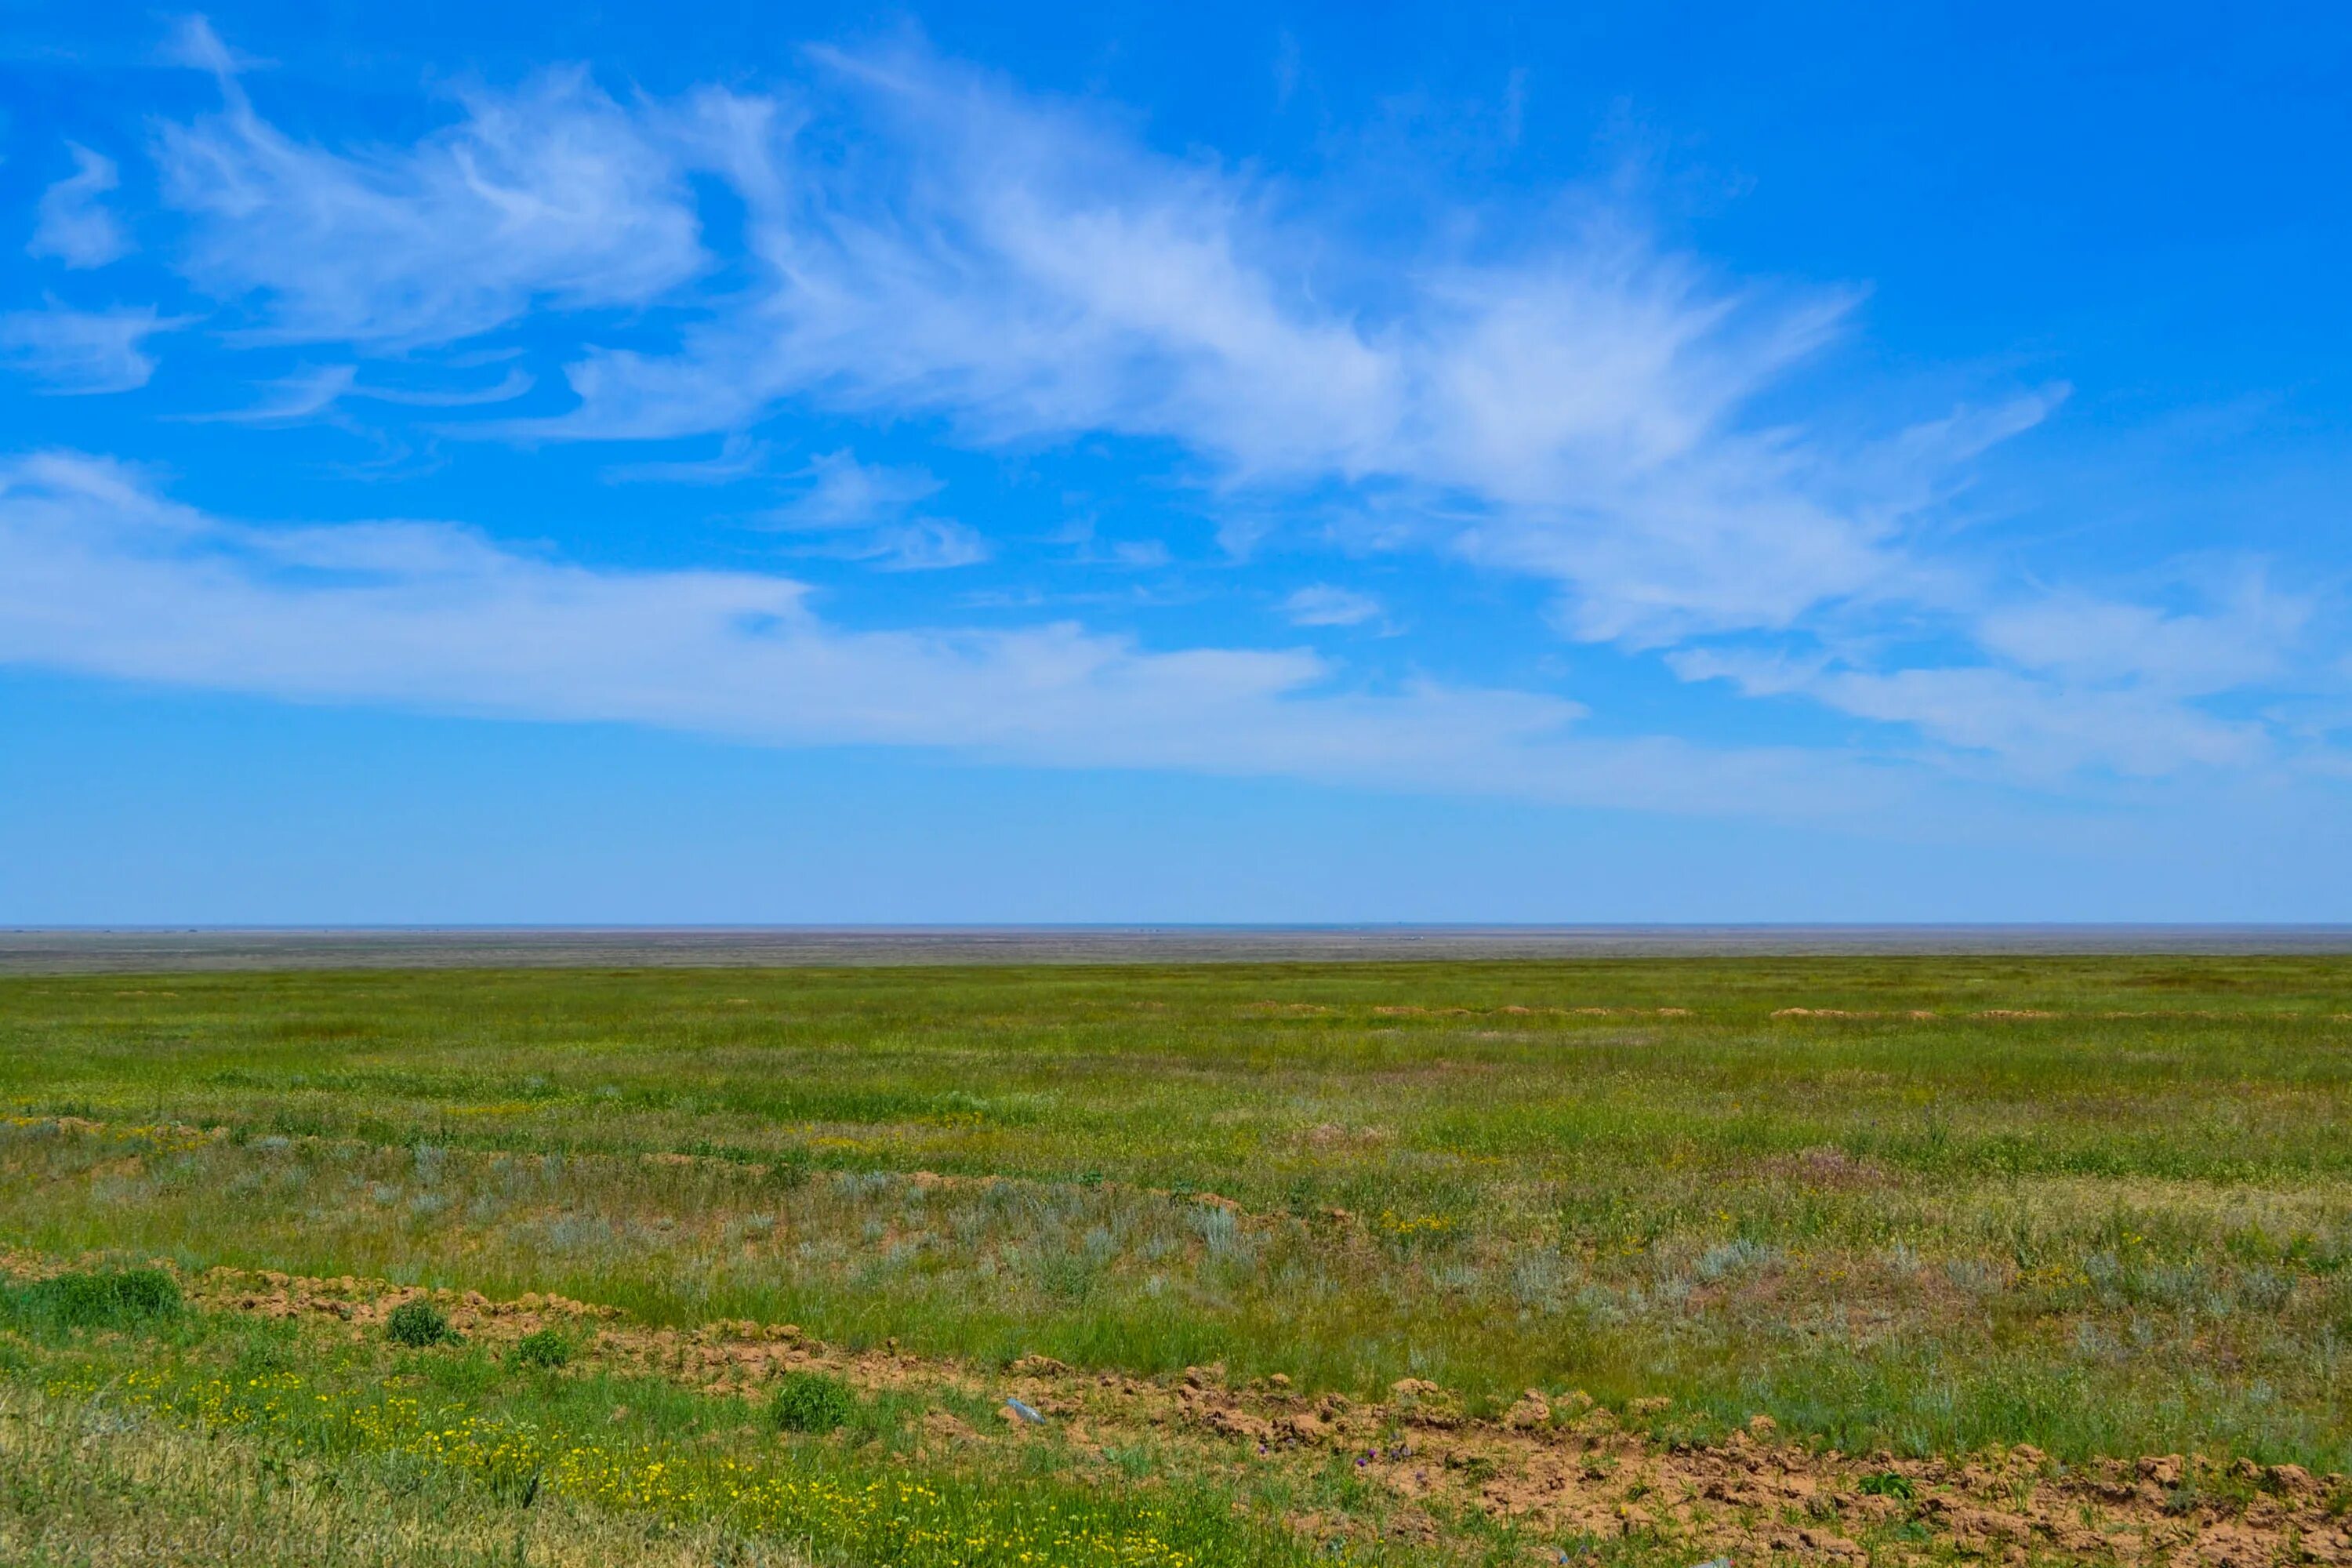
(159,949)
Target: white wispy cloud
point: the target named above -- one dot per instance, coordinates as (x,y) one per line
(73,222)
(1573,411)
(192,42)
(288,399)
(919,544)
(101,574)
(738,457)
(506,389)
(2045,728)
(2110,686)
(870,506)
(551,193)
(314,393)
(843,492)
(929,246)
(1326,605)
(2059,680)
(2244,639)
(1087,547)
(72,351)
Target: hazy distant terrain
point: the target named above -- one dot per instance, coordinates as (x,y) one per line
(159,949)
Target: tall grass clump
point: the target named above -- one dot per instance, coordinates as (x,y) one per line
(123,1299)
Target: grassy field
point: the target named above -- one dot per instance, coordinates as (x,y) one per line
(1911,1209)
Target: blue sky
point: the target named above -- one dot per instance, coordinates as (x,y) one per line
(1260,463)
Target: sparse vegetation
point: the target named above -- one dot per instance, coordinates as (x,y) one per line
(1913,1207)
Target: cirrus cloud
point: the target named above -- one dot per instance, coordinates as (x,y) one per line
(913,244)
(551,193)
(73,222)
(101,574)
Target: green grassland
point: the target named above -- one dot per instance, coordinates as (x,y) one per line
(2101,1205)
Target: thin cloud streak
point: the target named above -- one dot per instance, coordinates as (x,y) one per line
(738,457)
(1329,604)
(83,352)
(316,393)
(101,574)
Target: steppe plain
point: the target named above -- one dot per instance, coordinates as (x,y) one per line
(1820,1256)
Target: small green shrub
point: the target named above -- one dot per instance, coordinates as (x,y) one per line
(813,1402)
(1886,1483)
(418,1324)
(96,1300)
(546,1347)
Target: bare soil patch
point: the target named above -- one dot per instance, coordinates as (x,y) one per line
(1565,1465)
